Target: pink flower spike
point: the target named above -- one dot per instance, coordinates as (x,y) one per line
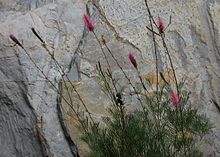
(175,99)
(132,59)
(89,23)
(13,38)
(160,24)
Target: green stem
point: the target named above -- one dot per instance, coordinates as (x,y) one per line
(142,105)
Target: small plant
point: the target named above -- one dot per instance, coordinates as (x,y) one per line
(166,127)
(165,124)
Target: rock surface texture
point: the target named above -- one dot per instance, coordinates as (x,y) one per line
(31,121)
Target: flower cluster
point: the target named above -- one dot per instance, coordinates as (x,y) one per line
(160,25)
(175,99)
(132,59)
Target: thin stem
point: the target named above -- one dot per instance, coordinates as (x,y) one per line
(62,73)
(75,112)
(107,84)
(170,21)
(142,83)
(109,67)
(142,105)
(151,20)
(155,48)
(102,49)
(164,43)
(152,31)
(171,63)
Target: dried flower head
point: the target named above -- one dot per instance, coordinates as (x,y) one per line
(37,35)
(132,59)
(13,38)
(89,23)
(175,99)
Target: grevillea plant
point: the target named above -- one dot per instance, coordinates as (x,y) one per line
(163,125)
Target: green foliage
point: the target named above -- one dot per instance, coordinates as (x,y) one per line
(162,125)
(160,130)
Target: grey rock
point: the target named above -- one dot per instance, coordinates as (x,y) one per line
(27,98)
(18,119)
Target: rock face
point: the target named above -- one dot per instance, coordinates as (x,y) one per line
(26,98)
(31,120)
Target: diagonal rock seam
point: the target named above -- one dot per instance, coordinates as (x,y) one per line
(22,88)
(64,126)
(41,137)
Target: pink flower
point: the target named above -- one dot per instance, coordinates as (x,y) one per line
(89,23)
(175,99)
(13,38)
(160,24)
(132,59)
